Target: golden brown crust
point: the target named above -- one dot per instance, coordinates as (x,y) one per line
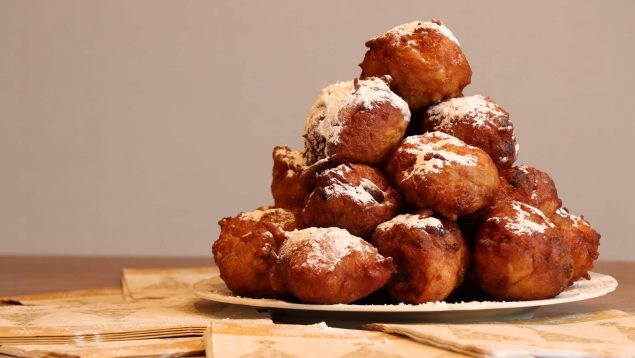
(530,186)
(355,122)
(477,121)
(329,266)
(292,180)
(430,254)
(426,65)
(354,197)
(438,171)
(242,251)
(582,240)
(519,254)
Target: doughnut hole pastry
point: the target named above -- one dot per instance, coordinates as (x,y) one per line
(329,266)
(292,180)
(530,186)
(477,121)
(423,58)
(581,239)
(242,251)
(440,172)
(430,255)
(355,197)
(519,254)
(358,121)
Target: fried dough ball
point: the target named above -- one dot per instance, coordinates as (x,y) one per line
(355,197)
(329,266)
(519,254)
(530,186)
(430,254)
(242,251)
(581,239)
(440,172)
(423,58)
(292,180)
(478,121)
(358,121)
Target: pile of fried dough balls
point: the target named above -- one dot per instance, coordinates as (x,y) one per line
(405,185)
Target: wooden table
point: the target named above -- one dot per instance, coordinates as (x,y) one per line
(26,275)
(32,274)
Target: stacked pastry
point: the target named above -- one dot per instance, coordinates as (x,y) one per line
(404,184)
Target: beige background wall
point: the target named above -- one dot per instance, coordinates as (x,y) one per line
(131,127)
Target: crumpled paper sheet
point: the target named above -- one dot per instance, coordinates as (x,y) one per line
(171,317)
(161,283)
(164,347)
(602,334)
(230,338)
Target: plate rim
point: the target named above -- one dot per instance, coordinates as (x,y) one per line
(439,306)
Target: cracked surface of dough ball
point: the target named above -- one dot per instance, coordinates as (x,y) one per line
(519,254)
(242,251)
(530,186)
(424,59)
(430,254)
(582,240)
(358,121)
(437,171)
(329,266)
(355,197)
(477,121)
(292,180)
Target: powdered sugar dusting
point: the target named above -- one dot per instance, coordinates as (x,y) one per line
(521,223)
(290,157)
(576,220)
(324,123)
(294,160)
(478,110)
(413,221)
(326,246)
(432,156)
(523,168)
(412,27)
(357,193)
(256,215)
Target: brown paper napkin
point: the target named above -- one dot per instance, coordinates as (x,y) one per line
(231,338)
(602,334)
(165,347)
(175,316)
(161,283)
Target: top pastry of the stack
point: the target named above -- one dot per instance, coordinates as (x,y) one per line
(406,184)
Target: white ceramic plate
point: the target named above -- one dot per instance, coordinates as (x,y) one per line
(214,289)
